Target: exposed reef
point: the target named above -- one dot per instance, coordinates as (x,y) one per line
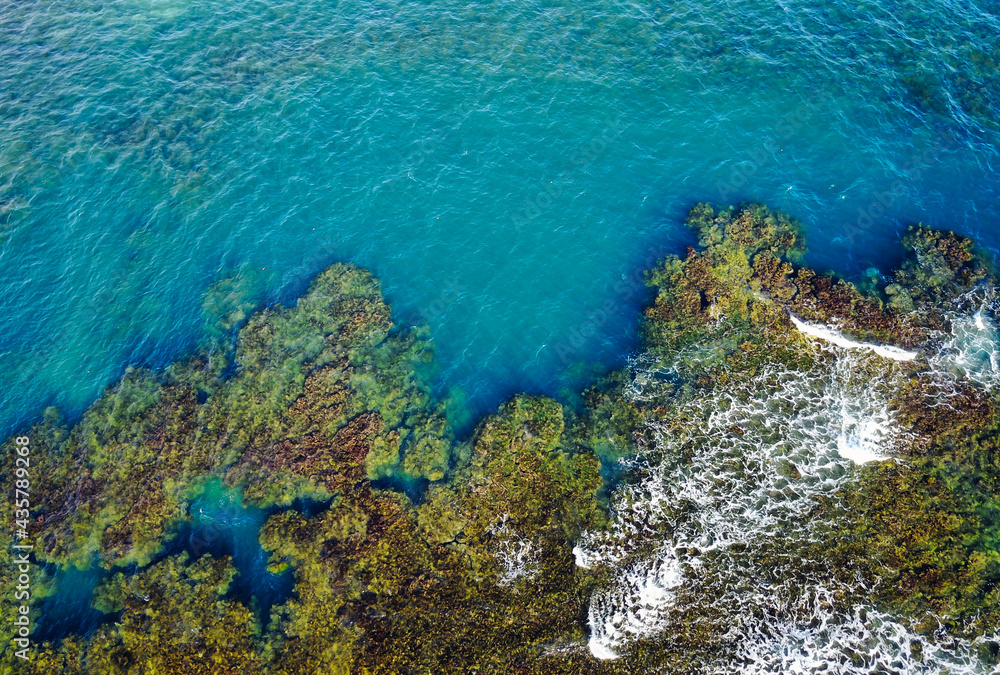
(767,484)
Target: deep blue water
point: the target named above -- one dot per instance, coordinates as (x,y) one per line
(504,168)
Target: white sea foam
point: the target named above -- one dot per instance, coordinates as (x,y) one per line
(743,465)
(972,348)
(516,556)
(859,641)
(636,604)
(834,337)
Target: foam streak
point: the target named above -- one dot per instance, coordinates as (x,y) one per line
(833,337)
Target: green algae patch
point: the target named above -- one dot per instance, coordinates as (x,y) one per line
(929,527)
(312,396)
(174,618)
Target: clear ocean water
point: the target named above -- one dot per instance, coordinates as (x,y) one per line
(505,168)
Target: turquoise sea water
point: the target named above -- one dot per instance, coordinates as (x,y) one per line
(504,168)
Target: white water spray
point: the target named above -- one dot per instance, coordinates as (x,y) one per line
(733,471)
(516,556)
(972,348)
(834,337)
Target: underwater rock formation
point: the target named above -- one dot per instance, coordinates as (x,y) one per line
(766,499)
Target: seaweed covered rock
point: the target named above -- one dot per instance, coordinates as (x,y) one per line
(440,587)
(314,631)
(114,483)
(732,395)
(530,474)
(747,271)
(279,347)
(743,458)
(174,617)
(744,257)
(354,395)
(929,527)
(939,267)
(319,393)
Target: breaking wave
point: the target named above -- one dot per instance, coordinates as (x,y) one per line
(835,337)
(732,472)
(858,642)
(971,348)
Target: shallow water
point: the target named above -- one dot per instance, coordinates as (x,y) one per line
(219,525)
(504,168)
